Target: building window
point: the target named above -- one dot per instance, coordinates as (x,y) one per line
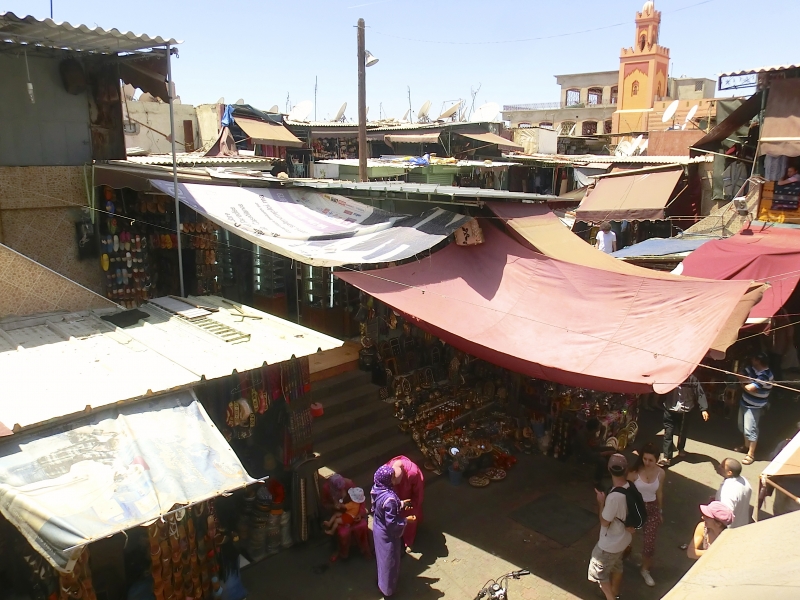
(607,126)
(614,94)
(698,86)
(595,96)
(642,41)
(573,97)
(545,125)
(658,91)
(635,88)
(589,128)
(567,127)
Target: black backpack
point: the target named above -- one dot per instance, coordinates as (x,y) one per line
(637,512)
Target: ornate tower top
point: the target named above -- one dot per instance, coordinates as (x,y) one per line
(648,23)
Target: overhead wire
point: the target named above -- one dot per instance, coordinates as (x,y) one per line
(532,39)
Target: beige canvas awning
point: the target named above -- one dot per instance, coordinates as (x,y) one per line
(535,225)
(787,462)
(634,197)
(491,138)
(411,138)
(780,135)
(268,133)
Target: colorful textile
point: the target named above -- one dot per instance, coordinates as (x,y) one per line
(410,487)
(387,530)
(651,526)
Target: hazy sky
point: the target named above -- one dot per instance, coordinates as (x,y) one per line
(442,49)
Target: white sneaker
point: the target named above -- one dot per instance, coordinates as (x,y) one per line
(647,578)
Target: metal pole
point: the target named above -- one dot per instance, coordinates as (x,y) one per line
(171,94)
(362,104)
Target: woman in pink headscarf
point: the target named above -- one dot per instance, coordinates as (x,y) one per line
(409,484)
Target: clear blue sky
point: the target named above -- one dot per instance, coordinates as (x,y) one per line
(260,51)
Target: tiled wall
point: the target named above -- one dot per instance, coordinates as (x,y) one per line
(37,217)
(27,288)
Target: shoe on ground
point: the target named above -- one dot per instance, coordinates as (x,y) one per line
(647,578)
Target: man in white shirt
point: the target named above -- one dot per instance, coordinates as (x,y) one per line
(605,566)
(606,240)
(735,491)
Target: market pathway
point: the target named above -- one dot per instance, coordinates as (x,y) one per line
(468,535)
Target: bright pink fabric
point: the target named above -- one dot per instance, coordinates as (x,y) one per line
(770,255)
(411,487)
(558,321)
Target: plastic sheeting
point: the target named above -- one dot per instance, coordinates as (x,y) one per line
(323,230)
(661,247)
(68,486)
(771,255)
(553,320)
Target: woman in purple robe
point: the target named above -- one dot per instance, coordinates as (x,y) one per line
(387,528)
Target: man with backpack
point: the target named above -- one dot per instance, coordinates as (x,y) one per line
(621,512)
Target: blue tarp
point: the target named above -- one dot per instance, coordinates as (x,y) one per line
(661,247)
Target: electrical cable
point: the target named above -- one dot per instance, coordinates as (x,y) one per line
(534,39)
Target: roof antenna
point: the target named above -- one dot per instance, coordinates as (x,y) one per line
(30,85)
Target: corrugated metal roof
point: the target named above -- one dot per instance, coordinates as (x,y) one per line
(47,33)
(760,70)
(421,188)
(190,160)
(56,364)
(585,159)
(405,164)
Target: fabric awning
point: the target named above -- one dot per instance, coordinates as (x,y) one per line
(787,462)
(545,318)
(491,138)
(270,134)
(535,225)
(411,138)
(67,486)
(740,117)
(780,134)
(323,230)
(769,570)
(635,197)
(771,256)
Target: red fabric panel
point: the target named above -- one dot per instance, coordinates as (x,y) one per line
(771,256)
(558,321)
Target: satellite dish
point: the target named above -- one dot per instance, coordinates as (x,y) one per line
(486,113)
(405,116)
(221,100)
(300,112)
(450,111)
(240,101)
(635,143)
(422,115)
(670,112)
(643,147)
(690,115)
(274,109)
(624,149)
(340,113)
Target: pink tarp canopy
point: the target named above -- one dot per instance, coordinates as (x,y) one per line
(558,321)
(771,255)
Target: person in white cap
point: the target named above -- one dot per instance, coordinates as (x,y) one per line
(352,505)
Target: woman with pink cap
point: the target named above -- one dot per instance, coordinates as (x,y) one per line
(716,518)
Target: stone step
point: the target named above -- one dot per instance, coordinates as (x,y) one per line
(340,383)
(358,438)
(361,465)
(344,401)
(330,426)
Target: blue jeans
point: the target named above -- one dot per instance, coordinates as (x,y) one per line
(748,421)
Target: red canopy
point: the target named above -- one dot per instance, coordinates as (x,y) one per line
(559,321)
(771,256)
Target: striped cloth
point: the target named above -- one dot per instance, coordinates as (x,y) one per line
(763,382)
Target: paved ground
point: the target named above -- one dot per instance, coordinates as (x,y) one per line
(468,536)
